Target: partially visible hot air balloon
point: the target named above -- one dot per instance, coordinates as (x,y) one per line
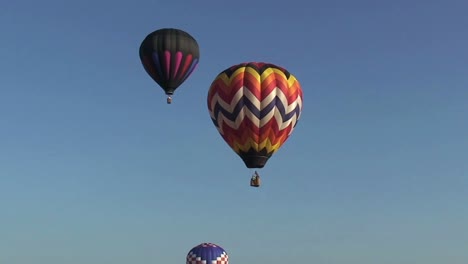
(255,107)
(207,253)
(169,56)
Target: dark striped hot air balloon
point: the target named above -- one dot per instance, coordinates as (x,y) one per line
(207,253)
(255,106)
(169,56)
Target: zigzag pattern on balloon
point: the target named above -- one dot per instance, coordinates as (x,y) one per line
(255,107)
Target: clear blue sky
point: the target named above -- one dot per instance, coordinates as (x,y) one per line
(96,168)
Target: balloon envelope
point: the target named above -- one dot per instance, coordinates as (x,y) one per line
(255,106)
(207,253)
(169,56)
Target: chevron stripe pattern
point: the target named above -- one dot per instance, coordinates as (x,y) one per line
(255,106)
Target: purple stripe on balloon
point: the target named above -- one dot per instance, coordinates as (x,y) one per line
(167,55)
(157,63)
(192,67)
(177,63)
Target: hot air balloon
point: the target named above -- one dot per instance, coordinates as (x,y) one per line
(169,56)
(208,253)
(255,106)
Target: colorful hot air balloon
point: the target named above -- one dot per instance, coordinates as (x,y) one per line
(207,253)
(255,107)
(169,56)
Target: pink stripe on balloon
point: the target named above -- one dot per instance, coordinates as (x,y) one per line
(177,62)
(167,55)
(188,60)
